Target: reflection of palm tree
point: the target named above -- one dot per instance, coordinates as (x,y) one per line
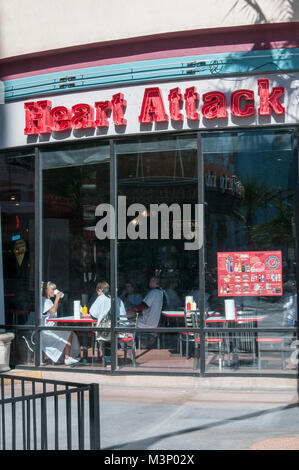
(255,196)
(280,10)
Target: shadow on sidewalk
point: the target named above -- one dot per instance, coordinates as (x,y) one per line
(144,444)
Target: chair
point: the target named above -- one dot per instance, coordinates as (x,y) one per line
(126,341)
(191,321)
(208,341)
(87,341)
(186,336)
(244,342)
(156,339)
(30,346)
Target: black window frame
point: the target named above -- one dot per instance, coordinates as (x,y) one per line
(202,330)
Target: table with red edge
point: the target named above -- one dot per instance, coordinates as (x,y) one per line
(215,317)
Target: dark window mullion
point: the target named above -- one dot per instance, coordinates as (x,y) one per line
(113,253)
(201,253)
(38,226)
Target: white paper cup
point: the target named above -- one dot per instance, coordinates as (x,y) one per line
(56,292)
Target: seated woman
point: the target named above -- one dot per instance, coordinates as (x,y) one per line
(100,310)
(101,306)
(55,343)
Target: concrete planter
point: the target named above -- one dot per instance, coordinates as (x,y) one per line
(5,341)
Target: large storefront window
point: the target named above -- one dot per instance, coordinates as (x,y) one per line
(75,182)
(250,180)
(157,179)
(245,318)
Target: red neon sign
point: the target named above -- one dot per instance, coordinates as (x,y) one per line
(41,119)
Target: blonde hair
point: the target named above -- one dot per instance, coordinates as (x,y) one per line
(104,286)
(46,286)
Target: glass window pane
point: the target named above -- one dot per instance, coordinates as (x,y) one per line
(17,242)
(76,179)
(250,180)
(154,266)
(17,221)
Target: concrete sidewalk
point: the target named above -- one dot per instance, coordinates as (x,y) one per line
(195,413)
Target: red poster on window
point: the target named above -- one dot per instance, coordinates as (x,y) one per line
(249,273)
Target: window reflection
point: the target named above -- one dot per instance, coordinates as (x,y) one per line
(250,200)
(157,171)
(17,220)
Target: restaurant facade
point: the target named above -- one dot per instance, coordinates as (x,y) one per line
(183,168)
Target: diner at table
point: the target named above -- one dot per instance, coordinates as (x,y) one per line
(55,343)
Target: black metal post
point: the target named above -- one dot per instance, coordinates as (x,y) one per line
(68,419)
(113,254)
(94,417)
(201,251)
(38,224)
(44,423)
(56,420)
(296,158)
(3,416)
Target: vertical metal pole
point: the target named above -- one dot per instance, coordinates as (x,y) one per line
(3,415)
(68,420)
(34,424)
(94,417)
(44,423)
(56,420)
(113,254)
(28,426)
(23,415)
(296,158)
(38,224)
(2,303)
(13,416)
(201,254)
(80,412)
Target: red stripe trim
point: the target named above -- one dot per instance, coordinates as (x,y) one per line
(178,44)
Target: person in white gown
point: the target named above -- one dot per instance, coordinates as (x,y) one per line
(54,343)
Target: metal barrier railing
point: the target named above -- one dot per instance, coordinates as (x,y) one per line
(39,414)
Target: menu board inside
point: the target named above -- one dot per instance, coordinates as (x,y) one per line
(249,273)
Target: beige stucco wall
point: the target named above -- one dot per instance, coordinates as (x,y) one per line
(31,26)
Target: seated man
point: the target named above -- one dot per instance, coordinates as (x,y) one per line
(151,307)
